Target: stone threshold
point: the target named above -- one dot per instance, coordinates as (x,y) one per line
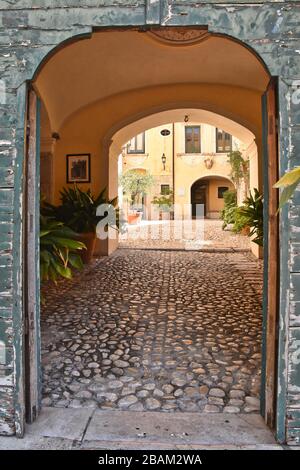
(88,428)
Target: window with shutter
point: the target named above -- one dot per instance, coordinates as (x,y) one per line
(192,139)
(223,141)
(137,144)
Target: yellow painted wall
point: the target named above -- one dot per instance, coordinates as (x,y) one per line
(215,205)
(78,145)
(188,167)
(150,161)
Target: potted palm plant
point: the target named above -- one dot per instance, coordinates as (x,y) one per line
(59,250)
(251,215)
(78,210)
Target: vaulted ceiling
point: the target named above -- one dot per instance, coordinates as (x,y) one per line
(113,62)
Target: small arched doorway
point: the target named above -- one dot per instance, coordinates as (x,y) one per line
(209,192)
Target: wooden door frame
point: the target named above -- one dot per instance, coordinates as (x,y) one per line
(31,285)
(270,343)
(31,262)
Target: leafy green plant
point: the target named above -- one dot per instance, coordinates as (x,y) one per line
(164,202)
(289,183)
(134,184)
(252,211)
(230,207)
(58,250)
(239,167)
(241,222)
(78,209)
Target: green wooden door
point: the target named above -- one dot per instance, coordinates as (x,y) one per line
(271,254)
(31,259)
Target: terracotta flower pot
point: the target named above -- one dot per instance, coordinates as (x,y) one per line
(89,239)
(132,218)
(245,230)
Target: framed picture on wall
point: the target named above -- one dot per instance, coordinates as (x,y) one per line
(79,168)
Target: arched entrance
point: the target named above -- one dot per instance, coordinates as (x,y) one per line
(182,168)
(208,191)
(82,120)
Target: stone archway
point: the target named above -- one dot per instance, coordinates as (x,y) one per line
(123,131)
(115,140)
(122,99)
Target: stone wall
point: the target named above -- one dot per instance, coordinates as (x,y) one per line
(29,30)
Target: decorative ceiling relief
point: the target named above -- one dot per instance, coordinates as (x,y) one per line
(179,36)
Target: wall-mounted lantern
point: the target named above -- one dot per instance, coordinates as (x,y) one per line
(164,160)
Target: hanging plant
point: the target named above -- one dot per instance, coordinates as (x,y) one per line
(239,167)
(230,207)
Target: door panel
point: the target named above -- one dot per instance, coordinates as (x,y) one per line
(31,260)
(271,253)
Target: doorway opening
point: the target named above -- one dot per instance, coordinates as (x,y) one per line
(199,196)
(144,314)
(209,191)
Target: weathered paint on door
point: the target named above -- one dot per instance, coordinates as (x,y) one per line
(271,242)
(27,35)
(31,259)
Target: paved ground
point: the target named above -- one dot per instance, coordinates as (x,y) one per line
(156,330)
(205,234)
(111,430)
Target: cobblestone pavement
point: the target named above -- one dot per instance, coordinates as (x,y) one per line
(137,236)
(156,330)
